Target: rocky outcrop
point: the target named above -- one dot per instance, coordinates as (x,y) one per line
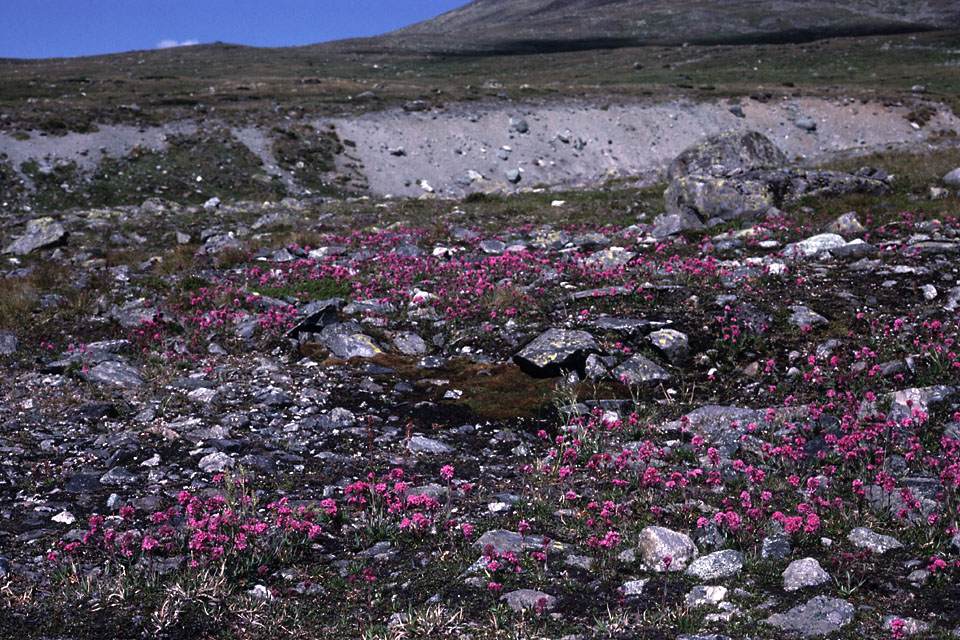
(742,175)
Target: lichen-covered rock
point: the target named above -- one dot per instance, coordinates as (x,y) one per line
(705,596)
(847,223)
(409,343)
(775,547)
(610,258)
(818,617)
(905,626)
(805,317)
(663,549)
(221,242)
(805,572)
(118,476)
(670,224)
(720,564)
(549,239)
(556,351)
(215,462)
(727,150)
(752,194)
(814,246)
(421,444)
(8,343)
(634,587)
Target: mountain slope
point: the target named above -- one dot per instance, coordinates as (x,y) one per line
(682,20)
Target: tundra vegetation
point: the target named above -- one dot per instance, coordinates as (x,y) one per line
(231,410)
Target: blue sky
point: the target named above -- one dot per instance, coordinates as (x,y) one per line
(63,28)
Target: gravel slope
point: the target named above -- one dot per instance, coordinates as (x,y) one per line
(622,140)
(403,153)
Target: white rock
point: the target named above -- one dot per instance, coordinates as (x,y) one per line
(706,596)
(64,517)
(656,544)
(215,462)
(805,572)
(634,587)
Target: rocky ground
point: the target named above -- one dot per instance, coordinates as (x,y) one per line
(567,414)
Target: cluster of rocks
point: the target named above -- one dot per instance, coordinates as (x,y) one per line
(741,175)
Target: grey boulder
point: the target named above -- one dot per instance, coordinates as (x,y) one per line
(717,565)
(952,178)
(705,197)
(728,150)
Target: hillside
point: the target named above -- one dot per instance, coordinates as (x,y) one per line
(717,21)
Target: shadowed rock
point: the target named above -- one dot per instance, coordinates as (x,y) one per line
(529,599)
(640,370)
